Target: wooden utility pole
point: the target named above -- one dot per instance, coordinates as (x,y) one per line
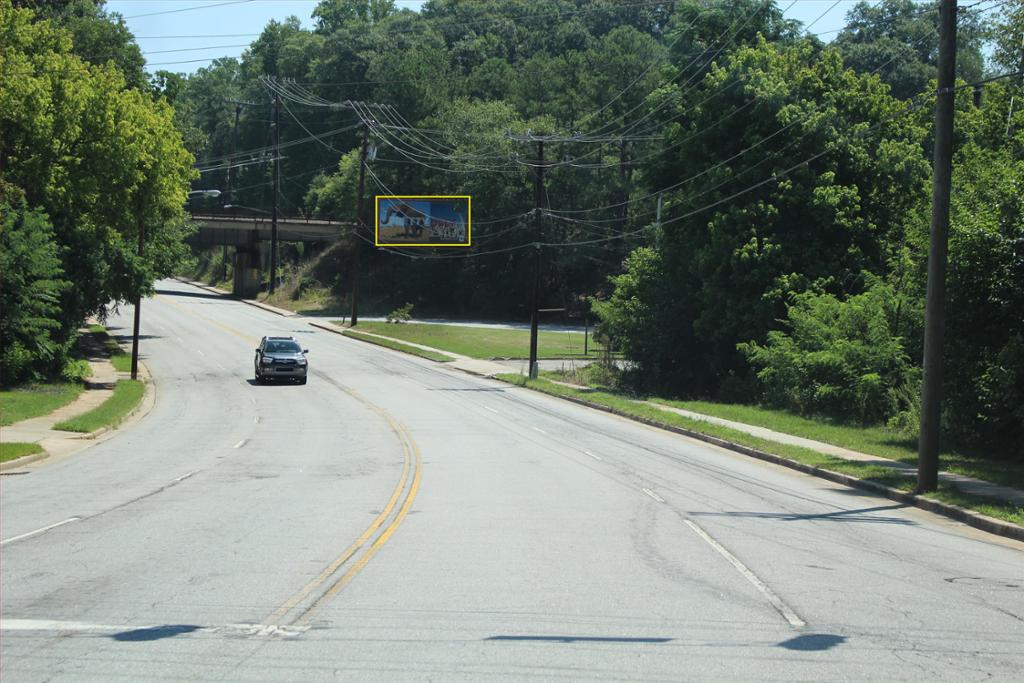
(538,218)
(360,202)
(138,302)
(935,314)
(277,190)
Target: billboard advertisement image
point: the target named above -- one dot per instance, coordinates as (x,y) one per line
(423,221)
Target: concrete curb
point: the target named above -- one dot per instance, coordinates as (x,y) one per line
(23,460)
(969,517)
(144,407)
(252,302)
(141,409)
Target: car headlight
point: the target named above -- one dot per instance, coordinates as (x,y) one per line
(302,361)
(267,361)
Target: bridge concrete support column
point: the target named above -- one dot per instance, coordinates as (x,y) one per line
(247,269)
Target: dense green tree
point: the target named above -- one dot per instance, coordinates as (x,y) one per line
(102,161)
(806,187)
(899,40)
(31,286)
(98,36)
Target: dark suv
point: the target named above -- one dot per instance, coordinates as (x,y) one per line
(281,357)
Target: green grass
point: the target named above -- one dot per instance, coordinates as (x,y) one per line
(121,359)
(16,449)
(479,342)
(32,401)
(877,473)
(398,346)
(871,440)
(127,394)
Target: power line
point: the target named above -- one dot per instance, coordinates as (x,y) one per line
(188,9)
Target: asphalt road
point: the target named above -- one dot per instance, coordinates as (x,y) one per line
(396,520)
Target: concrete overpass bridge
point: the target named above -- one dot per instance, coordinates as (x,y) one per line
(248,234)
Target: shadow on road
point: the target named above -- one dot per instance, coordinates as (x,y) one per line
(581,639)
(813,642)
(194,295)
(837,516)
(155,632)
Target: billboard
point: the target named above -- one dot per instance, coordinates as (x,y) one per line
(423,221)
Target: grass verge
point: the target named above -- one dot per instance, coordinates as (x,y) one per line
(121,359)
(32,401)
(875,473)
(871,440)
(17,449)
(398,346)
(127,394)
(486,343)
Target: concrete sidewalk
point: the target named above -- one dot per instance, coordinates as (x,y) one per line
(99,387)
(969,485)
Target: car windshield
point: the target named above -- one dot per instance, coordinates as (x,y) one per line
(282,347)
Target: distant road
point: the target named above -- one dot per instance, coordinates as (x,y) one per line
(396,520)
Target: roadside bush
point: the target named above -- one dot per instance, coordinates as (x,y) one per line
(838,358)
(31,284)
(400,315)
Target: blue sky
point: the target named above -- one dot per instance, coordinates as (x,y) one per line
(184,35)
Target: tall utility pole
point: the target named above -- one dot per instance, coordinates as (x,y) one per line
(277,189)
(138,304)
(935,313)
(538,218)
(230,178)
(354,320)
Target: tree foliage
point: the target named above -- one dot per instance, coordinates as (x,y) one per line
(104,161)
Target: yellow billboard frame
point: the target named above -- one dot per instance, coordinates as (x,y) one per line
(376,220)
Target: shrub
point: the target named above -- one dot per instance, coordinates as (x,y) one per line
(838,358)
(401,314)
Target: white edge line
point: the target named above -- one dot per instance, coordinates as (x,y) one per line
(653,495)
(539,430)
(496,412)
(39,531)
(186,476)
(774,599)
(240,443)
(595,457)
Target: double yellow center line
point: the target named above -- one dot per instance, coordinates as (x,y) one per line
(298,608)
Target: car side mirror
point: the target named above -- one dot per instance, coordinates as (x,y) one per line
(305,350)
(257,350)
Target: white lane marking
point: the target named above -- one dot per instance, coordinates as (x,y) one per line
(180,340)
(540,430)
(256,420)
(496,412)
(595,457)
(199,351)
(653,495)
(186,476)
(39,531)
(57,625)
(220,366)
(52,625)
(750,576)
(240,443)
